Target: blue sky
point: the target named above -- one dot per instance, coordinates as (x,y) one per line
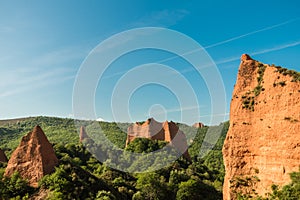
(43,44)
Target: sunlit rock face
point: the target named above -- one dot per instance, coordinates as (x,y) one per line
(263,141)
(33,158)
(165,131)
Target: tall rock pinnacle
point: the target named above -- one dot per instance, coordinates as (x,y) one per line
(263,141)
(33,158)
(82,135)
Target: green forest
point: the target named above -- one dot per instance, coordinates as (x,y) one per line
(80,175)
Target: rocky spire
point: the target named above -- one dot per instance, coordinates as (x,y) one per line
(82,135)
(245,57)
(263,137)
(33,158)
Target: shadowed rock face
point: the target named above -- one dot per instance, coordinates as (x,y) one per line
(165,131)
(33,158)
(3,157)
(263,138)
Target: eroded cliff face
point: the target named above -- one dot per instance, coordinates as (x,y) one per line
(166,131)
(33,158)
(3,157)
(263,141)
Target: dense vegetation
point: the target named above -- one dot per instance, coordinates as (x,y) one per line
(80,175)
(287,192)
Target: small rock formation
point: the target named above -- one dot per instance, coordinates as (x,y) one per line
(263,141)
(33,158)
(3,157)
(198,125)
(82,135)
(165,131)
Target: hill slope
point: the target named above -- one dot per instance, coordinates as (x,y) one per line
(80,176)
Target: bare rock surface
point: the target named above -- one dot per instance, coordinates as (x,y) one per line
(82,134)
(198,125)
(165,131)
(33,158)
(263,141)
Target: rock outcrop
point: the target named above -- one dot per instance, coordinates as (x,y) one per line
(3,157)
(263,141)
(198,125)
(165,131)
(33,158)
(82,134)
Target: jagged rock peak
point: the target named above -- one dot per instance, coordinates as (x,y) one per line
(33,158)
(263,137)
(245,57)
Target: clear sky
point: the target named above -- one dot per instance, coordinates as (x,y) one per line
(43,44)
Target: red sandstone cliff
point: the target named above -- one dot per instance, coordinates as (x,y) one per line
(33,158)
(263,140)
(3,157)
(165,131)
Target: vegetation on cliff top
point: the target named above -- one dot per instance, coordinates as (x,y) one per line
(295,75)
(249,97)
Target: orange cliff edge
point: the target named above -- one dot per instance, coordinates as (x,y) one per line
(263,140)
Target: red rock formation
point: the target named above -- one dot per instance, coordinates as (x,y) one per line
(82,135)
(33,158)
(263,137)
(165,131)
(3,157)
(198,125)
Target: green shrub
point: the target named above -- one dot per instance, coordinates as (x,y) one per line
(14,187)
(287,192)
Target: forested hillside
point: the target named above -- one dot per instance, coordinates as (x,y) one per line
(80,175)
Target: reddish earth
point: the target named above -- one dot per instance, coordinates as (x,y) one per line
(165,131)
(263,140)
(198,125)
(33,158)
(82,135)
